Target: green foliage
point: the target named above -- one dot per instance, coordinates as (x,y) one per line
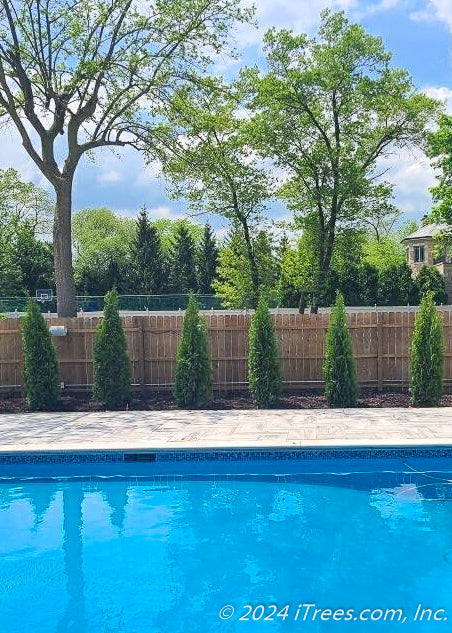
(426,355)
(264,374)
(358,284)
(307,105)
(23,204)
(148,262)
(369,284)
(289,285)
(396,286)
(167,230)
(214,168)
(339,368)
(26,262)
(385,249)
(40,361)
(81,75)
(102,244)
(431,280)
(234,282)
(112,372)
(440,149)
(207,261)
(193,389)
(183,262)
(112,251)
(34,260)
(384,252)
(10,274)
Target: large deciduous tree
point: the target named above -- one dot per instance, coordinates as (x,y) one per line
(233,282)
(213,166)
(23,203)
(102,243)
(76,75)
(327,109)
(440,149)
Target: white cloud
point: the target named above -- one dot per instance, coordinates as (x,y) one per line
(442,94)
(111,175)
(14,155)
(411,171)
(435,10)
(147,173)
(298,15)
(412,175)
(154,213)
(163,212)
(377,7)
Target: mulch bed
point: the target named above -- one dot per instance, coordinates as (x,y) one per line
(236,400)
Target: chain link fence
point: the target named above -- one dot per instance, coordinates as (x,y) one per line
(126,302)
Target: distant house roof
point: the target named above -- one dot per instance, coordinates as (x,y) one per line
(426,231)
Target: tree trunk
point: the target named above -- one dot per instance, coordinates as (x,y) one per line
(252,261)
(324,262)
(62,247)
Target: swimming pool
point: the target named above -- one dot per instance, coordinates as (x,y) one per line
(136,548)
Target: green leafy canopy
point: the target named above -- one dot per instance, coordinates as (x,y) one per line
(326,110)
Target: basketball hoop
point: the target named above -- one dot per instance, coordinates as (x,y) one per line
(42,296)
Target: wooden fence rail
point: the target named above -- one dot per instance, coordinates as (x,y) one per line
(380,344)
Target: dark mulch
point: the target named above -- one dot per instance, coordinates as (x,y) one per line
(232,400)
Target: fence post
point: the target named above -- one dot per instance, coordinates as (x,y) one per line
(141,351)
(379,351)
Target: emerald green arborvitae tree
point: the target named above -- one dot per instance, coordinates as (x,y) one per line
(148,260)
(193,388)
(426,355)
(183,262)
(40,361)
(112,372)
(207,261)
(339,368)
(264,374)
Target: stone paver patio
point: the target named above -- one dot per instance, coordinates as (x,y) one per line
(132,430)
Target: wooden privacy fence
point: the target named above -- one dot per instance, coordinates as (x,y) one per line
(380,344)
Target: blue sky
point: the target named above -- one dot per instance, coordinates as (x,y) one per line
(419,34)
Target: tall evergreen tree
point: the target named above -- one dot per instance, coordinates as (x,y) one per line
(148,260)
(207,261)
(427,354)
(112,370)
(40,361)
(183,262)
(339,368)
(264,372)
(193,389)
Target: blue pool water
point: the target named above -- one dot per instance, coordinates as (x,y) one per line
(167,553)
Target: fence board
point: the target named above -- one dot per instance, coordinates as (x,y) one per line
(380,343)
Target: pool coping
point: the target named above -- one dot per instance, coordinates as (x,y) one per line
(428,443)
(179,432)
